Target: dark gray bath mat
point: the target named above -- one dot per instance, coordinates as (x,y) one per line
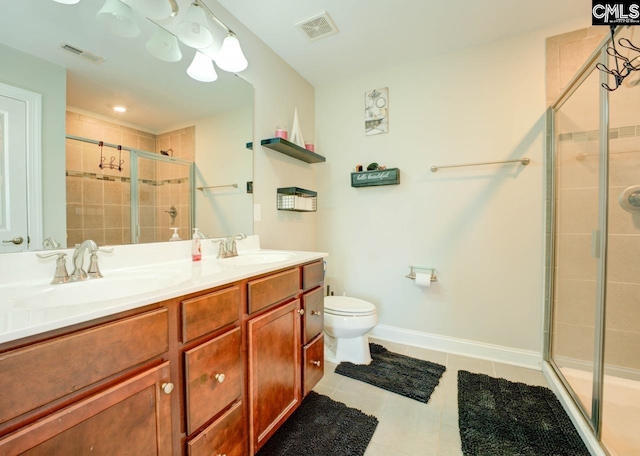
(322,427)
(502,418)
(410,377)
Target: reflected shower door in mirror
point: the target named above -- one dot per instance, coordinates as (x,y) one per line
(120,195)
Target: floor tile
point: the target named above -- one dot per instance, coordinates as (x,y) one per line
(391,346)
(427,355)
(520,374)
(375,449)
(478,366)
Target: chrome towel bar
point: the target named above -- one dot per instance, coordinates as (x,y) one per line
(218,186)
(524,161)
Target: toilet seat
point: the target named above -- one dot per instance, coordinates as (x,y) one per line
(346,306)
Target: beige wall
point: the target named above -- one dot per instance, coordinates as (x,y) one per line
(482,228)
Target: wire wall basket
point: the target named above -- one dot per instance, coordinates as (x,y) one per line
(297,199)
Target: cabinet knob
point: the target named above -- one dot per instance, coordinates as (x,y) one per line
(220,378)
(315,363)
(317,313)
(301,311)
(167,388)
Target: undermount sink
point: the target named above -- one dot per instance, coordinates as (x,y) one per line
(247,259)
(94,290)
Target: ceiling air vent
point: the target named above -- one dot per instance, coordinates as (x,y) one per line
(86,55)
(318,26)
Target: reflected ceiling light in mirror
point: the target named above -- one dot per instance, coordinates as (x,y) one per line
(120,109)
(118,19)
(154,9)
(193,29)
(201,69)
(164,46)
(231,58)
(67,2)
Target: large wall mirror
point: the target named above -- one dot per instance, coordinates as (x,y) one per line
(184,160)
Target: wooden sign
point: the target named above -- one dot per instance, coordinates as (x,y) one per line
(389,176)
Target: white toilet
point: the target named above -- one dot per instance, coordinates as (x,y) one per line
(347,321)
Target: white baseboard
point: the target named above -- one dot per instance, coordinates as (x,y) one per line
(580,423)
(498,353)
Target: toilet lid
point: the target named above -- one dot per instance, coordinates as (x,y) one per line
(344,305)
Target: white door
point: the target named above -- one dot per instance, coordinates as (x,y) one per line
(13,175)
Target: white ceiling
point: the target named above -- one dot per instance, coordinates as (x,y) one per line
(374,33)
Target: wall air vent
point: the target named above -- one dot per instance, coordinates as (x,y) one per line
(317,27)
(86,55)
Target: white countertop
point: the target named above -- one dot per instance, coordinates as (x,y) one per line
(134,276)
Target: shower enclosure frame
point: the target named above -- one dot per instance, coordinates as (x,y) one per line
(135,194)
(135,154)
(598,56)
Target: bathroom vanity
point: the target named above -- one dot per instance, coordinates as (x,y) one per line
(215,367)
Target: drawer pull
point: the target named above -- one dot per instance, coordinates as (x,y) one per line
(315,363)
(301,311)
(167,388)
(220,378)
(317,313)
(222,454)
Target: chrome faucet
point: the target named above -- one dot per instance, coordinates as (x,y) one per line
(227,246)
(78,261)
(61,275)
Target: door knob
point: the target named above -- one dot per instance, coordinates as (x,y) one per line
(16,240)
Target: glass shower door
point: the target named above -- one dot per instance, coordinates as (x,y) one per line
(164,196)
(621,384)
(577,125)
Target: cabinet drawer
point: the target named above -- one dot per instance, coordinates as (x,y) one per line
(313,305)
(213,373)
(274,288)
(312,275)
(41,373)
(224,437)
(209,312)
(313,363)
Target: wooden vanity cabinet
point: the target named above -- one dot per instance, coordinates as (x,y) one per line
(212,373)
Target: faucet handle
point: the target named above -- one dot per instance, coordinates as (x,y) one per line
(94,270)
(61,275)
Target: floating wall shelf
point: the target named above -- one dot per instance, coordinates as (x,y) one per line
(293,150)
(389,176)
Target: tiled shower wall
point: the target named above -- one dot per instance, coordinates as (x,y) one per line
(577,202)
(99,200)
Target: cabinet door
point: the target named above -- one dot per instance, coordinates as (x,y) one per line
(213,373)
(313,363)
(274,370)
(132,417)
(313,305)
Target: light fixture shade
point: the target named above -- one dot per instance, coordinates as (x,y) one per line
(153,9)
(193,30)
(201,69)
(164,46)
(230,58)
(67,2)
(118,19)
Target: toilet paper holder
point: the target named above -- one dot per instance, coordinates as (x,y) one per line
(412,273)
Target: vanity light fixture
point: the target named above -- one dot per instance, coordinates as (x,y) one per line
(230,58)
(193,30)
(201,69)
(164,46)
(118,19)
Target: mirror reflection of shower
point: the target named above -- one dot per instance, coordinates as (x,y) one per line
(173,212)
